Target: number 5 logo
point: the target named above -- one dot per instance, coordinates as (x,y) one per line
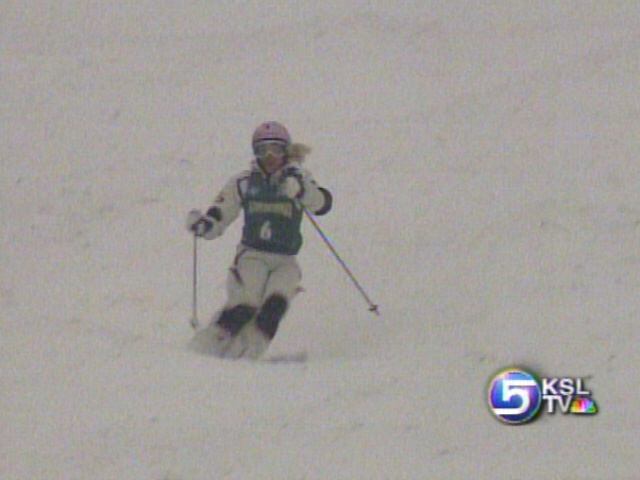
(509,391)
(514,396)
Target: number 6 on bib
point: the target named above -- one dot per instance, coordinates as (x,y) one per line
(265,231)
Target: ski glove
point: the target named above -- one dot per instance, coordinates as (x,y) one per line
(201,224)
(292,182)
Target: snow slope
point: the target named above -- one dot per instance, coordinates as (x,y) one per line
(483,160)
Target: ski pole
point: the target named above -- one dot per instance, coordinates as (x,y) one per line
(194,300)
(372,306)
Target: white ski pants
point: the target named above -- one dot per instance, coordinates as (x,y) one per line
(255,276)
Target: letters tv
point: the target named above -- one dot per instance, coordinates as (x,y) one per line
(559,393)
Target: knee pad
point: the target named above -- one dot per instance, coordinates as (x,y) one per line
(233,319)
(271,313)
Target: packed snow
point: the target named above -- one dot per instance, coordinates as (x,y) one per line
(483,160)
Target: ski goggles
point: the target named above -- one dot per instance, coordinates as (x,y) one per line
(270,147)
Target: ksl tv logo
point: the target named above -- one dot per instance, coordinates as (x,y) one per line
(517,396)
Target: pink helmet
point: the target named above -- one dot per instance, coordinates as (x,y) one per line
(271,131)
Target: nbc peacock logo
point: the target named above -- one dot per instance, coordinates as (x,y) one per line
(583,406)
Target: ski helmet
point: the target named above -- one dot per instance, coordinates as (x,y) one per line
(273,131)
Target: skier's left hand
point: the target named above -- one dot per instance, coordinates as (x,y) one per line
(292,182)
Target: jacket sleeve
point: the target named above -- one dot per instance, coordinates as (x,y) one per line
(226,206)
(317,199)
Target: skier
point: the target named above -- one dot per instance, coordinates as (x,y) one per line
(264,276)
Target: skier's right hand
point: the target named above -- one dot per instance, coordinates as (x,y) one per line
(199,224)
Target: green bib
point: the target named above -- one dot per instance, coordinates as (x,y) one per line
(271,220)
